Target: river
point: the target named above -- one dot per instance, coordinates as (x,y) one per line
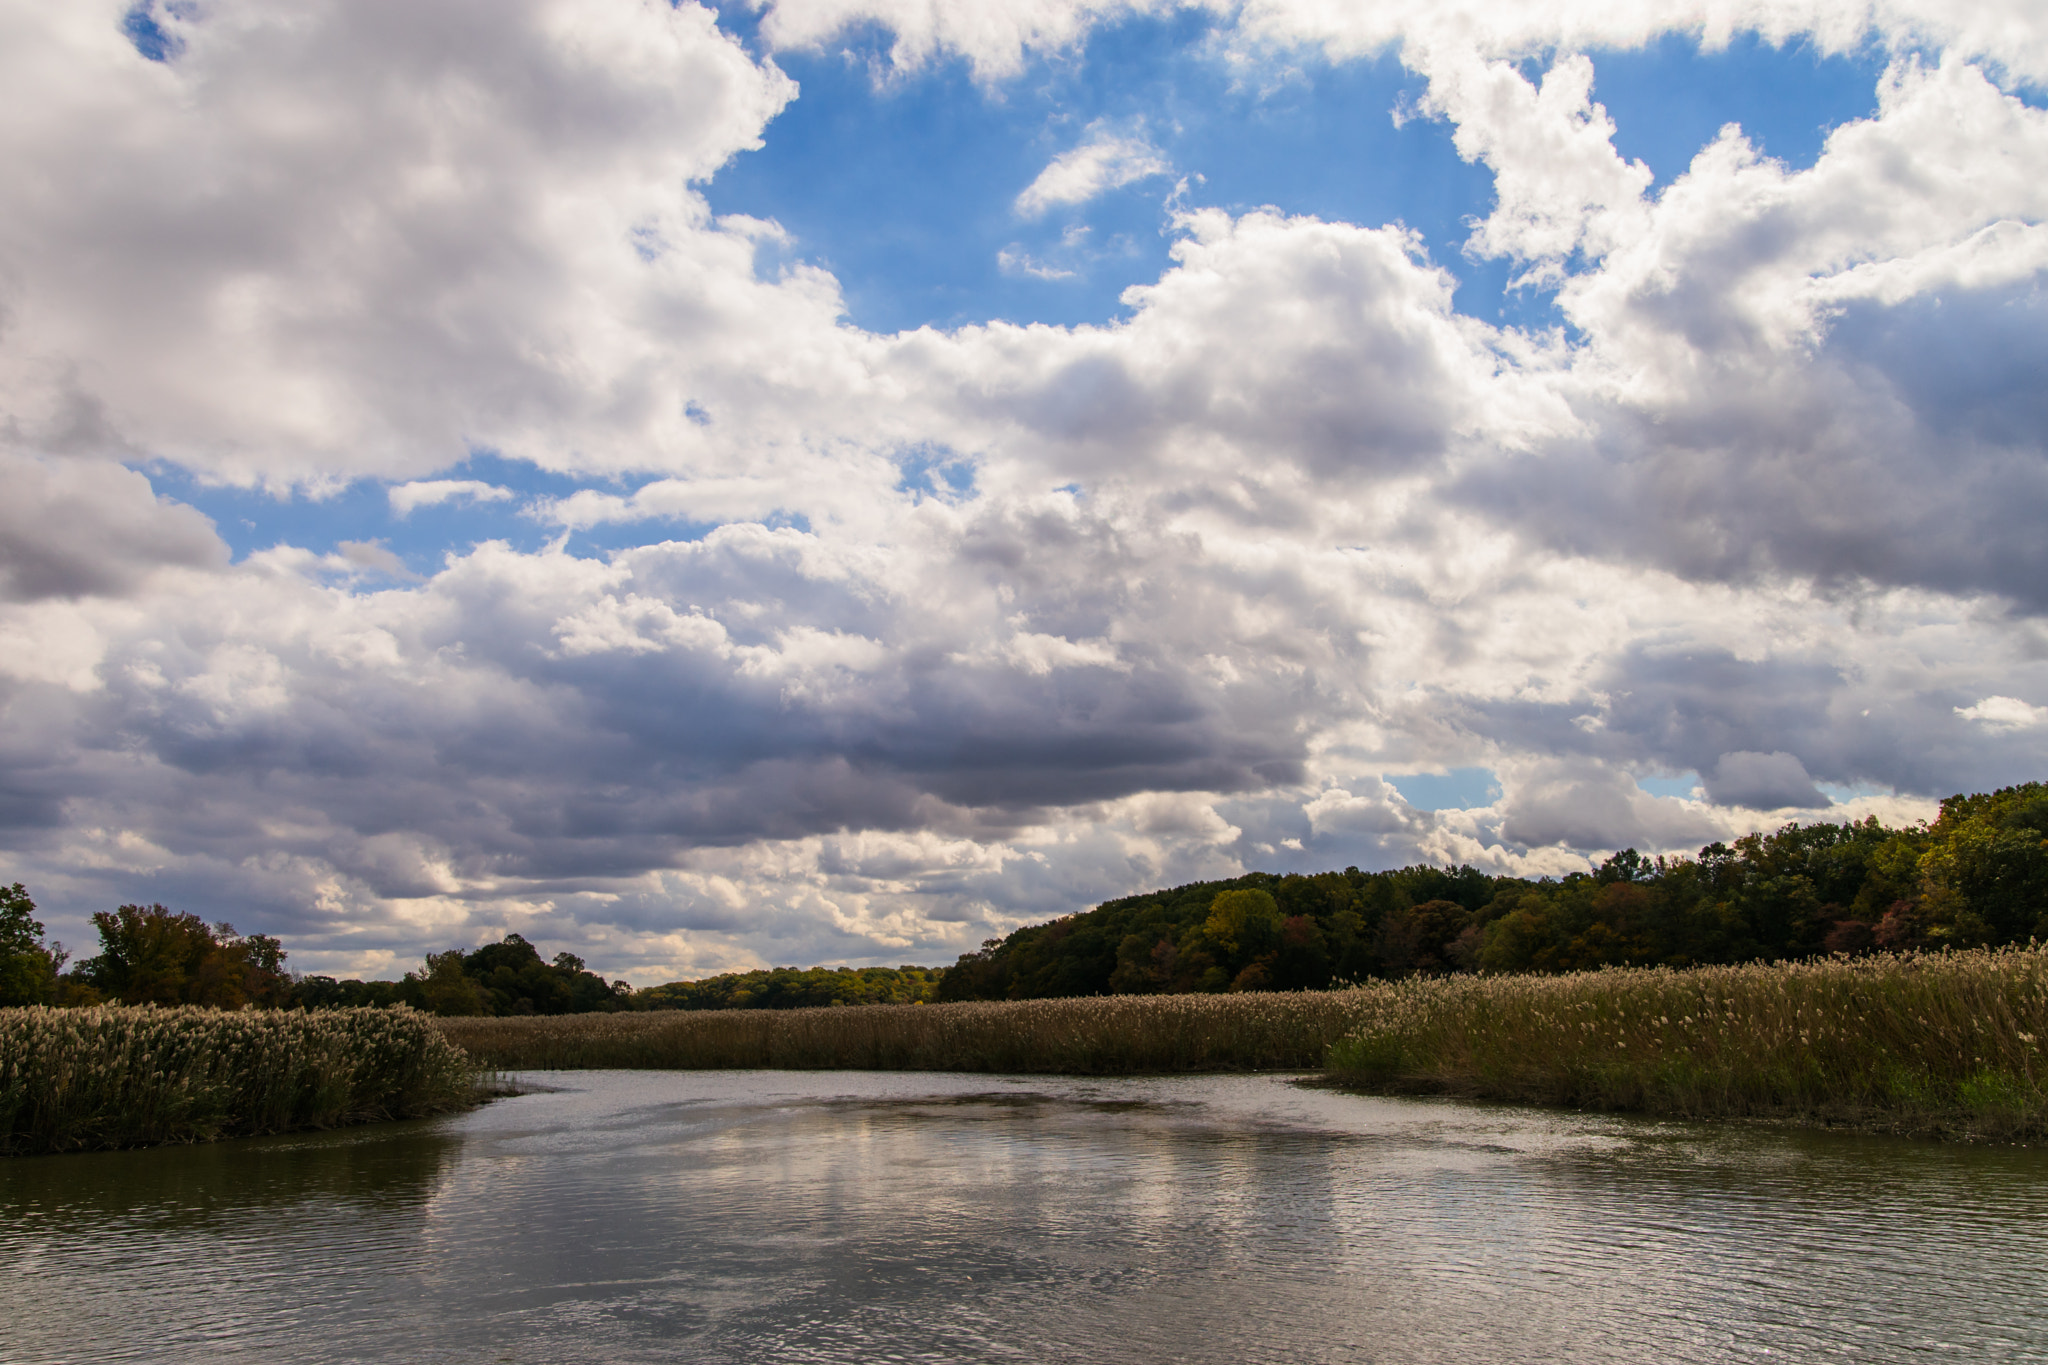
(853,1217)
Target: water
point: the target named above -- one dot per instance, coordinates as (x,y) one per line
(847,1217)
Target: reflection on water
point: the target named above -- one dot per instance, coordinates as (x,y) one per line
(851,1217)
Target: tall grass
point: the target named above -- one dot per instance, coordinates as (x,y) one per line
(1916,1042)
(1099,1035)
(127,1076)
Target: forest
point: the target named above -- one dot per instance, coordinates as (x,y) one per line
(782,988)
(1976,877)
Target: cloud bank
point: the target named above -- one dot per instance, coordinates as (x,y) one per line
(1763,506)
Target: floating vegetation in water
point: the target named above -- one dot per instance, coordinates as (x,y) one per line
(139,1075)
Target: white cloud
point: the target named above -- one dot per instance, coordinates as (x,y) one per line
(1560,185)
(1295,522)
(406,497)
(1106,161)
(2004,713)
(997,36)
(1014,260)
(363,240)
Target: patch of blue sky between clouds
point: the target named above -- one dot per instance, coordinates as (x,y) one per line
(1458,789)
(419,532)
(937,472)
(1685,786)
(148,34)
(907,188)
(1670,99)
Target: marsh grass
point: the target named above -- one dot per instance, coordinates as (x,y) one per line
(1096,1035)
(1929,1043)
(139,1075)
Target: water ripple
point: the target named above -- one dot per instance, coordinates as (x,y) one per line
(796,1217)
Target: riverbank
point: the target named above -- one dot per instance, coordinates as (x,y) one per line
(1943,1044)
(1936,1044)
(140,1075)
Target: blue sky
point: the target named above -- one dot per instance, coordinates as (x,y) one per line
(829,482)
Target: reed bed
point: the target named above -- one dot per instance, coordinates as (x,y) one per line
(1929,1043)
(1097,1035)
(139,1075)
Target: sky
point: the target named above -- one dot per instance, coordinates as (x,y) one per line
(831,481)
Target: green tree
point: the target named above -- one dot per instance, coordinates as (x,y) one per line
(447,988)
(28,968)
(1243,930)
(1985,871)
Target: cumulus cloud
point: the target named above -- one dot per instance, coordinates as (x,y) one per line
(78,528)
(406,497)
(997,36)
(1763,781)
(1106,161)
(1746,374)
(1767,511)
(2004,713)
(364,239)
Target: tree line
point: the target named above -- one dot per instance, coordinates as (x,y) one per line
(781,988)
(150,954)
(1977,876)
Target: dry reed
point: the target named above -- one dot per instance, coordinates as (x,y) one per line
(1097,1035)
(1948,1042)
(128,1076)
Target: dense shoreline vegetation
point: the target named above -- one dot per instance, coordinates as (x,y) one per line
(784,988)
(1949,1042)
(113,1076)
(1100,1036)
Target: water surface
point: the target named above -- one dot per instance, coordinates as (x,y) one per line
(778,1216)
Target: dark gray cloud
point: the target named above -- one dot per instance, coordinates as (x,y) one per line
(1892,458)
(77,528)
(1763,782)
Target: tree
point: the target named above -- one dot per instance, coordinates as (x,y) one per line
(28,969)
(448,988)
(150,954)
(507,977)
(1985,871)
(1243,930)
